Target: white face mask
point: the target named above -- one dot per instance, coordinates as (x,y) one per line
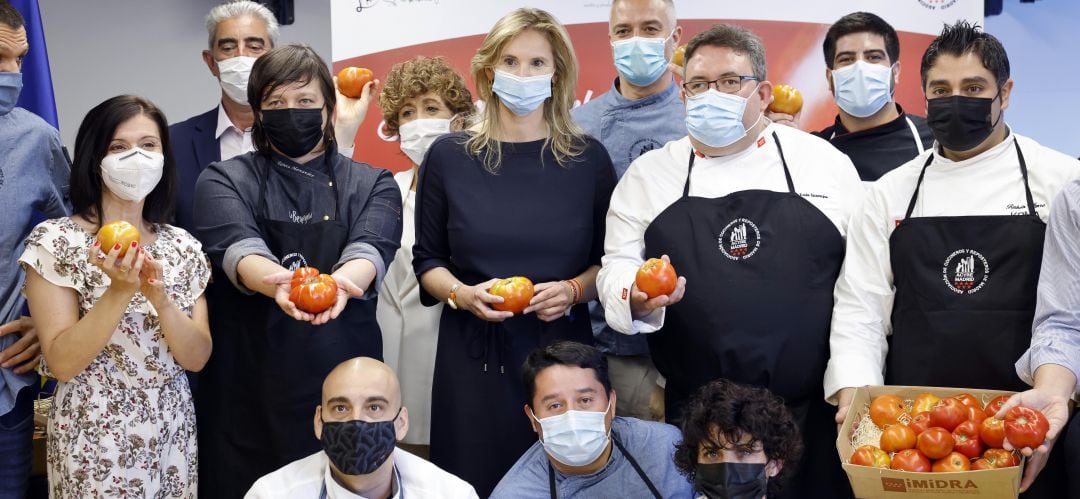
(233,76)
(575,438)
(132,174)
(416,136)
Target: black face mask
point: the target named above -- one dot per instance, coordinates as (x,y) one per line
(358,447)
(294,132)
(731,480)
(960,123)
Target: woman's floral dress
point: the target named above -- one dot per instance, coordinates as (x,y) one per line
(125,426)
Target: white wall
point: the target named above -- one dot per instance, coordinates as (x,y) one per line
(102,48)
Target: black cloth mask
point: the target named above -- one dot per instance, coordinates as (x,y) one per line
(731,480)
(293,131)
(960,123)
(358,447)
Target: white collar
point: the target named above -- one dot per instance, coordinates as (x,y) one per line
(224,123)
(334,490)
(1004,148)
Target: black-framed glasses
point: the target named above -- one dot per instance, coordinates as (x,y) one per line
(728,84)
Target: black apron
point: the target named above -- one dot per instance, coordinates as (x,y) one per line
(966,289)
(270,379)
(761,266)
(629,458)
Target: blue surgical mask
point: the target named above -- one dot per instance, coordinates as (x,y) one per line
(10,86)
(522,94)
(575,438)
(715,118)
(641,61)
(862,89)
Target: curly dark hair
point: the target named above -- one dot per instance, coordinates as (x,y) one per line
(418,76)
(734,410)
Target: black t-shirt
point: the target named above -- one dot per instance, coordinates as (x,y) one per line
(879,150)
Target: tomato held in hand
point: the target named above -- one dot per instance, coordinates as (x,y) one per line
(910,460)
(516,293)
(786,99)
(935,443)
(1025,427)
(351,81)
(948,414)
(920,422)
(967,441)
(992,432)
(968,400)
(924,402)
(868,455)
(1001,458)
(679,57)
(656,277)
(897,437)
(886,410)
(952,463)
(313,292)
(117,232)
(995,405)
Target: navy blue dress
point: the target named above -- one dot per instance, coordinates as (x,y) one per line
(532,218)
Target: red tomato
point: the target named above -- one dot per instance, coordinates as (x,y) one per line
(953,462)
(967,439)
(868,455)
(1001,458)
(516,292)
(312,292)
(897,437)
(968,400)
(924,402)
(992,432)
(886,410)
(351,81)
(948,414)
(656,277)
(995,405)
(910,460)
(935,443)
(1025,427)
(920,422)
(117,232)
(982,464)
(786,99)
(975,414)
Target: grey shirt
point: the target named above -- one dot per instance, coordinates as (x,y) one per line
(33,179)
(227,205)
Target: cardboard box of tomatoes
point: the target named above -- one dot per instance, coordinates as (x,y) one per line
(873,482)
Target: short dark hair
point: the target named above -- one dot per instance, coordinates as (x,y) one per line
(564,353)
(92,145)
(861,22)
(962,38)
(736,410)
(736,38)
(10,16)
(283,66)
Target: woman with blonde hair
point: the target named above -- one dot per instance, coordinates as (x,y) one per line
(523,193)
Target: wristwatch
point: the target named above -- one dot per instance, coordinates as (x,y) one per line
(452,299)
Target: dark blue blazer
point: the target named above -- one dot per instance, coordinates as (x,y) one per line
(194,147)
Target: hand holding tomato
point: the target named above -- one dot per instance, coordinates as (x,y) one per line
(123,271)
(120,233)
(786,99)
(312,291)
(355,90)
(1054,405)
(656,277)
(152,281)
(551,300)
(642,305)
(480,301)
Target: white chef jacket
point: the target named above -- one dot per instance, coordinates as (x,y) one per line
(414,478)
(232,141)
(988,184)
(410,331)
(822,175)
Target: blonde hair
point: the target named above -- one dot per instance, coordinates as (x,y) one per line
(565,139)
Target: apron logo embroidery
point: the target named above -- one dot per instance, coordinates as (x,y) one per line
(740,239)
(641,147)
(293,261)
(965,271)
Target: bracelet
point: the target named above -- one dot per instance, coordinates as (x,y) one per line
(575,290)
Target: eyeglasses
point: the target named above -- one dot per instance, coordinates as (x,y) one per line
(728,84)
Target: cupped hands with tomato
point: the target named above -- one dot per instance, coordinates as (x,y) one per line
(302,294)
(641,304)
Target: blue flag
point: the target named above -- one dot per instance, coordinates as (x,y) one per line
(37,92)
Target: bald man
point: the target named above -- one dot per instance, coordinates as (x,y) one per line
(358,422)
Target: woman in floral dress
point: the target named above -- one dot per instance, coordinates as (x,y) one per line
(118,332)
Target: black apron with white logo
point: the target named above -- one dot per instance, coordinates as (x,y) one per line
(760,268)
(965,295)
(276,365)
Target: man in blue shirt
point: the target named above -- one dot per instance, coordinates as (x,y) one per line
(33,178)
(642,111)
(584,449)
